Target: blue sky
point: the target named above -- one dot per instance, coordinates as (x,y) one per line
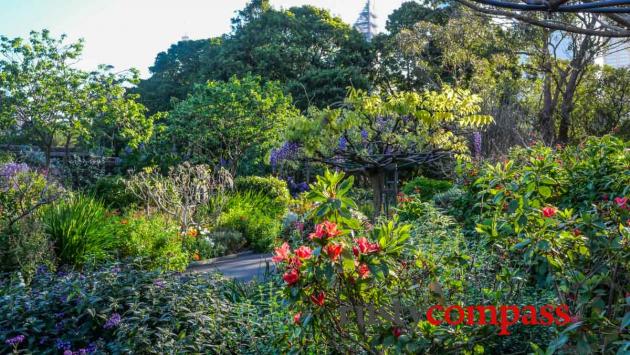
(130,33)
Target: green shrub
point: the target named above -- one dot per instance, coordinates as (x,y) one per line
(259,229)
(426,187)
(24,247)
(270,186)
(112,190)
(155,240)
(125,310)
(80,230)
(563,217)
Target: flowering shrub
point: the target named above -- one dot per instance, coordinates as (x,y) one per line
(123,309)
(562,217)
(346,281)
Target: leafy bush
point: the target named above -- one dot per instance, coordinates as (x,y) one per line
(79,229)
(24,247)
(121,309)
(256,216)
(426,187)
(112,190)
(155,240)
(270,186)
(564,216)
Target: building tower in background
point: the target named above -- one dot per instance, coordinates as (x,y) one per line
(366,23)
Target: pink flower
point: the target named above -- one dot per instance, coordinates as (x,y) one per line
(303,252)
(281,253)
(291,277)
(319,298)
(365,247)
(549,212)
(364,271)
(297,317)
(333,251)
(621,201)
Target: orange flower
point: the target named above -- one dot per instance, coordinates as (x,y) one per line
(192,232)
(124,221)
(333,251)
(364,271)
(196,256)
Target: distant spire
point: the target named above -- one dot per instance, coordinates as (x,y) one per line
(366,23)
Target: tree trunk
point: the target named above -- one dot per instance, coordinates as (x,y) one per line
(546,114)
(377,179)
(567,107)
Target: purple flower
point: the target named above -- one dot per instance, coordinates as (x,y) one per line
(343,143)
(113,321)
(477,144)
(15,340)
(364,134)
(9,170)
(61,344)
(67,352)
(159,283)
(286,152)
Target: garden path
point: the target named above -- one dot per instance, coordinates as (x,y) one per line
(244,266)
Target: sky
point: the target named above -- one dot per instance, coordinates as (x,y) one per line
(130,33)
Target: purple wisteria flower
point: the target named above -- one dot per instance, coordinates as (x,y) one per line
(477,144)
(287,151)
(16,340)
(113,321)
(67,352)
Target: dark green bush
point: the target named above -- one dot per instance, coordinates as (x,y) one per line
(154,239)
(80,230)
(113,191)
(426,187)
(24,246)
(125,310)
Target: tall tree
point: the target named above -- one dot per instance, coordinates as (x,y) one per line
(222,122)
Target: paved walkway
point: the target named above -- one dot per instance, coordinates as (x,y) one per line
(243,266)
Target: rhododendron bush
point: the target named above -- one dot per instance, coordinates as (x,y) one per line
(561,218)
(345,279)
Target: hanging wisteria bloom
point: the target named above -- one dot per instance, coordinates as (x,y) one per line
(15,340)
(477,144)
(287,151)
(113,321)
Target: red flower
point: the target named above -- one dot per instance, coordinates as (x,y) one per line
(549,212)
(297,317)
(364,271)
(333,251)
(318,299)
(281,253)
(355,251)
(396,332)
(331,229)
(291,277)
(319,232)
(577,232)
(605,197)
(303,252)
(295,262)
(621,201)
(365,247)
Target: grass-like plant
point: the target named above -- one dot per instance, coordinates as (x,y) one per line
(79,230)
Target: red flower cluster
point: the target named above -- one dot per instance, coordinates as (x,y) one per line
(291,277)
(365,247)
(325,229)
(319,298)
(402,198)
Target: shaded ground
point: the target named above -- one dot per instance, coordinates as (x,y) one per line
(242,266)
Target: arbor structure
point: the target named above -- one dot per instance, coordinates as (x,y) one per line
(370,135)
(612,17)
